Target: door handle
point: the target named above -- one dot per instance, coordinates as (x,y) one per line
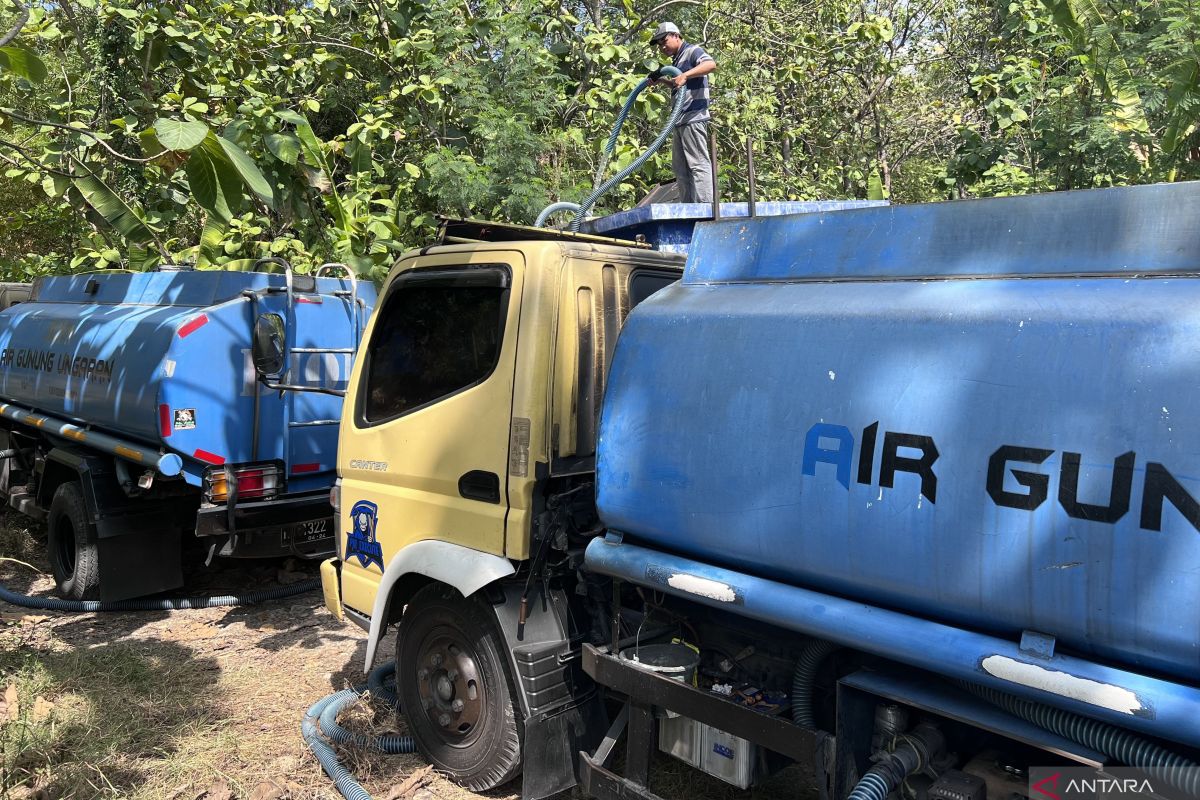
(480,485)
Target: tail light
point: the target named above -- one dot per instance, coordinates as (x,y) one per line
(254,482)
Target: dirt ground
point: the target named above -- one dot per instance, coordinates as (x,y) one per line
(180,705)
(199,704)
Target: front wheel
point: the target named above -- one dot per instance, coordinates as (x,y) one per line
(453,681)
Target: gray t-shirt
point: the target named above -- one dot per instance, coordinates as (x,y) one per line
(696,107)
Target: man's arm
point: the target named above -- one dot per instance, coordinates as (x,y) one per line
(703,68)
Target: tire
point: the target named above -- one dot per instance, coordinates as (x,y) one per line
(455,689)
(71,540)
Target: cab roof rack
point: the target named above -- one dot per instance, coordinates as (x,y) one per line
(464,231)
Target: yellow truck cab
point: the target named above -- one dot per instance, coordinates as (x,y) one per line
(466,458)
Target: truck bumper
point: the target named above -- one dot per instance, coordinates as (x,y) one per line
(331,587)
(298,526)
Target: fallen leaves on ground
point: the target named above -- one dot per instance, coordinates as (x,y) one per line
(41,708)
(218,791)
(410,785)
(10,705)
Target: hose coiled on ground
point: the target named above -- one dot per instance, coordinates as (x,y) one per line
(1126,747)
(163,604)
(378,684)
(320,728)
(803,679)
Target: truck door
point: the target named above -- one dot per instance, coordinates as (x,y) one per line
(592,308)
(427,448)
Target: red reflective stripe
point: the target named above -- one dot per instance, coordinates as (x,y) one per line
(192,326)
(164,420)
(314,301)
(305,468)
(211,458)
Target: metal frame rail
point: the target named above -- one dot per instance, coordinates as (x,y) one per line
(644,691)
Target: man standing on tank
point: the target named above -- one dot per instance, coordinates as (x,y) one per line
(689,145)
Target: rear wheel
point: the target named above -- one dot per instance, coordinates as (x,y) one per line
(453,682)
(71,540)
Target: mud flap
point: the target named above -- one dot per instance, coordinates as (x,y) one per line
(553,743)
(139,555)
(561,709)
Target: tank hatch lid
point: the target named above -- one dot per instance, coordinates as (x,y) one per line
(1127,231)
(460,231)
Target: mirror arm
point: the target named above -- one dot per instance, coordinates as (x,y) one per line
(287,387)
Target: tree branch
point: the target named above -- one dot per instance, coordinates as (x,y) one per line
(38,165)
(328,43)
(33,160)
(22,18)
(85,132)
(650,16)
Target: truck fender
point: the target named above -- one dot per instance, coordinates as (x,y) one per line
(465,569)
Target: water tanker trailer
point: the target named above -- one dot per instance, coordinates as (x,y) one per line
(909,495)
(132,422)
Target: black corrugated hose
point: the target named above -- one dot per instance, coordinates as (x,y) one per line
(803,679)
(1124,746)
(161,604)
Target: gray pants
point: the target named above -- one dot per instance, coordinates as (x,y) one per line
(690,163)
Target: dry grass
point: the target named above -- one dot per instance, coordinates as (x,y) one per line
(206,704)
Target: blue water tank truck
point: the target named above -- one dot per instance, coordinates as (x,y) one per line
(131,420)
(909,495)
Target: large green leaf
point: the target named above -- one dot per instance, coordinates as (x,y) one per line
(178,134)
(115,211)
(233,189)
(314,154)
(22,63)
(230,180)
(248,170)
(141,259)
(205,185)
(211,239)
(284,146)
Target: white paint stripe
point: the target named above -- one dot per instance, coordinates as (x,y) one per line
(703,587)
(1103,695)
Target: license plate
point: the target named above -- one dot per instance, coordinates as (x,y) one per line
(303,532)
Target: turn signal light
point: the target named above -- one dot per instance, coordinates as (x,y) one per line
(254,482)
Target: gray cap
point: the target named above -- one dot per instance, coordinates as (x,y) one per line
(662,30)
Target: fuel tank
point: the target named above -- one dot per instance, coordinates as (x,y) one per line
(983,413)
(163,359)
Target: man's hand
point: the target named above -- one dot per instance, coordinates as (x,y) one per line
(678,81)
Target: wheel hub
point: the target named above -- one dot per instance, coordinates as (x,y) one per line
(450,688)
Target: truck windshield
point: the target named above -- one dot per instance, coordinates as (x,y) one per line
(437,334)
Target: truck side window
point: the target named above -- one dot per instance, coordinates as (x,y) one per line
(434,338)
(643,284)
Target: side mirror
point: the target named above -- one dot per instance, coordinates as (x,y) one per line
(267,349)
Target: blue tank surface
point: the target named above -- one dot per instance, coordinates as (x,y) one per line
(981,413)
(669,226)
(163,359)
